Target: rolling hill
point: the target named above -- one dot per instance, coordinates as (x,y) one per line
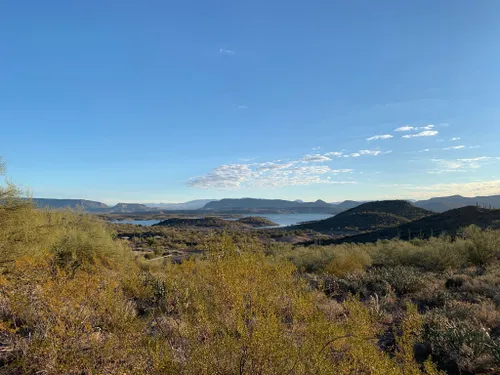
(216,223)
(448,222)
(369,216)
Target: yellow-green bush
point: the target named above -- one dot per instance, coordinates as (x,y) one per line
(349,260)
(237,313)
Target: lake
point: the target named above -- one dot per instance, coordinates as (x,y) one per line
(283,220)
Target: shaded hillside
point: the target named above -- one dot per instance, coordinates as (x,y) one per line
(213,222)
(448,222)
(369,216)
(245,205)
(206,222)
(68,203)
(441,204)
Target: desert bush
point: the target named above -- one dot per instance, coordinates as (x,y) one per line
(403,280)
(348,260)
(237,313)
(484,245)
(460,346)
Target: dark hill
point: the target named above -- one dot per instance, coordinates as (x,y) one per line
(441,204)
(369,216)
(257,221)
(209,222)
(399,208)
(448,222)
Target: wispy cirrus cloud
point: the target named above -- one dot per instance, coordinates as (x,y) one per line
(425,133)
(334,153)
(370,152)
(357,154)
(461,165)
(315,158)
(382,136)
(453,148)
(226,51)
(408,128)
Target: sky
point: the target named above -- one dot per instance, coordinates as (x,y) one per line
(168,101)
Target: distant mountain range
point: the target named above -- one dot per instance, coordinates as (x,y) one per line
(442,204)
(255,205)
(82,204)
(191,205)
(89,206)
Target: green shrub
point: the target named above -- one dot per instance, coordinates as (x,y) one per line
(459,345)
(484,245)
(350,260)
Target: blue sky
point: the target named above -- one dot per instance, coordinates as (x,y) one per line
(167,101)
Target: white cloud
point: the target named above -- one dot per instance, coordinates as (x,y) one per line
(455,139)
(479,158)
(315,158)
(268,174)
(425,133)
(224,177)
(460,165)
(453,148)
(370,152)
(408,128)
(242,106)
(404,129)
(334,153)
(355,155)
(225,51)
(424,150)
(383,136)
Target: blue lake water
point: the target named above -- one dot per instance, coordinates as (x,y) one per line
(283,220)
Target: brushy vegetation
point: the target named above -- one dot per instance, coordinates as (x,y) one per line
(73,300)
(454,282)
